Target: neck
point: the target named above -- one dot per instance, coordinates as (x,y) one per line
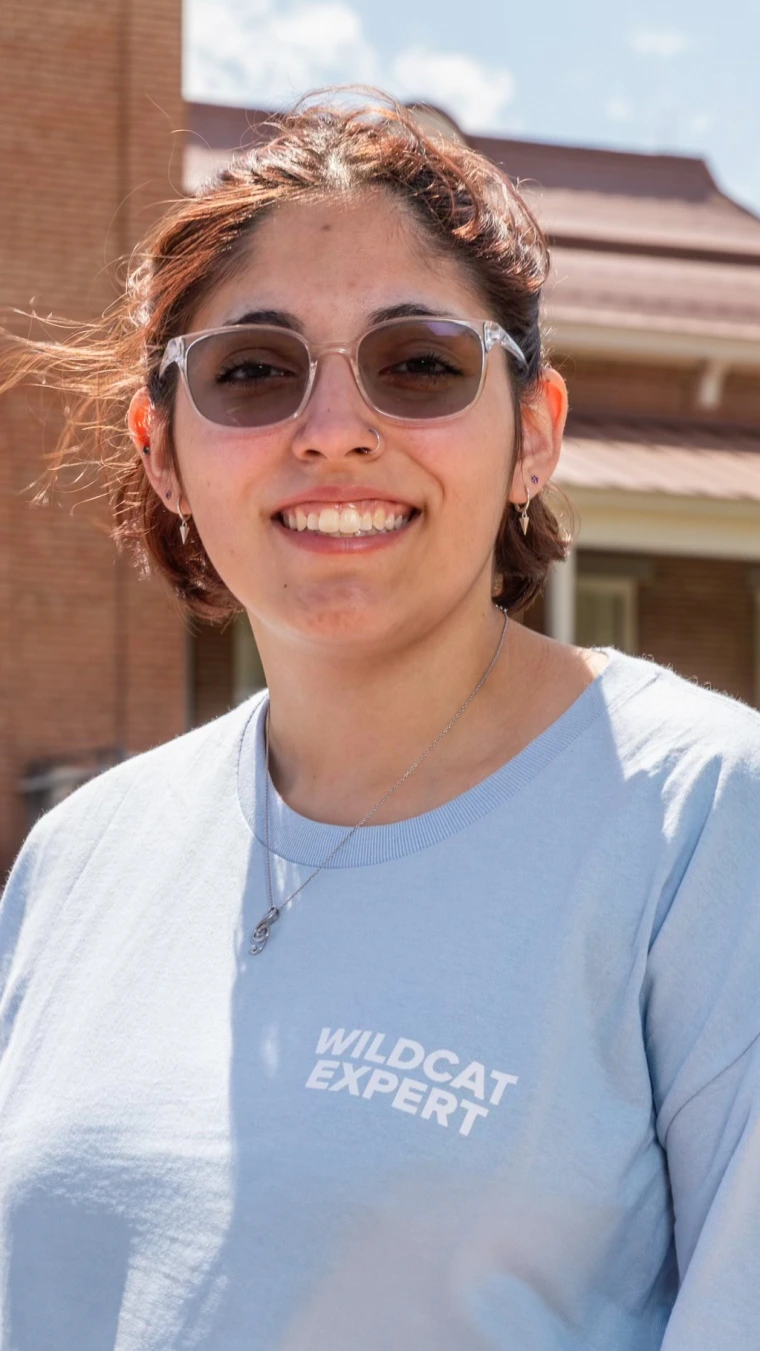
(344,729)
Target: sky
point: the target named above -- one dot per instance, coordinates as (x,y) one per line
(675,75)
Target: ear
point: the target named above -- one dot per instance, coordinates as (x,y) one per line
(543,423)
(142,425)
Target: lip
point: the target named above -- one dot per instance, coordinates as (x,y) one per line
(342,494)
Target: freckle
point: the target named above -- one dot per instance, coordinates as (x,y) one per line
(325,228)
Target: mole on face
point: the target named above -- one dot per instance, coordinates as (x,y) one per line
(326,227)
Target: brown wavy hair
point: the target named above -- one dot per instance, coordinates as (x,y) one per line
(464,206)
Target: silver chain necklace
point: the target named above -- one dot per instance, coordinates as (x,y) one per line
(264,927)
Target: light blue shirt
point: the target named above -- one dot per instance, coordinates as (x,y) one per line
(493,1083)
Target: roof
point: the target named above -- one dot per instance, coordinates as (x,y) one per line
(639,241)
(629,290)
(665,203)
(647,457)
(623,197)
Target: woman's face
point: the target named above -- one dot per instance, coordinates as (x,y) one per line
(334,267)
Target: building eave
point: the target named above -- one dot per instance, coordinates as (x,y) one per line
(657,523)
(648,341)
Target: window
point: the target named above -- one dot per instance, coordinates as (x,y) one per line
(606,612)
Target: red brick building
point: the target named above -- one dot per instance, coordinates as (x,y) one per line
(92,660)
(654,311)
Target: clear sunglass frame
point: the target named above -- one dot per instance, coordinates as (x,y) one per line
(489,333)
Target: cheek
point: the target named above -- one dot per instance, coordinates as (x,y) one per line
(472,466)
(223,474)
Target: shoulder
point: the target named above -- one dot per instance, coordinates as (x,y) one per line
(189,765)
(686,761)
(664,720)
(107,831)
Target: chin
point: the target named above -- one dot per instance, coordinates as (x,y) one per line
(342,612)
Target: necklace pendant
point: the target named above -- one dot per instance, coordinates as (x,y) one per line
(260,935)
(262,931)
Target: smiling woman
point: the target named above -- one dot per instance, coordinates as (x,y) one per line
(323,403)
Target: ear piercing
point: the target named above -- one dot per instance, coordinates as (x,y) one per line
(184,523)
(523,514)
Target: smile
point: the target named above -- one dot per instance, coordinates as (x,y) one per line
(347,519)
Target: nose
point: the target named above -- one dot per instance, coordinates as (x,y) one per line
(337,420)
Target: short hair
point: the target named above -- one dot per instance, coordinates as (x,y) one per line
(462,203)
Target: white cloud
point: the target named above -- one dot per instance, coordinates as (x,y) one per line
(267,52)
(259,52)
(700,122)
(664,43)
(473,93)
(618,110)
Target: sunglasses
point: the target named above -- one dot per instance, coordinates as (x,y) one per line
(413,370)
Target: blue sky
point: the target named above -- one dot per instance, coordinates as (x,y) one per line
(675,75)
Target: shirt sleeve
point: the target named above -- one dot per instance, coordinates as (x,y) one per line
(702,1023)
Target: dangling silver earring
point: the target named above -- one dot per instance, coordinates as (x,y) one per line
(524,522)
(184,523)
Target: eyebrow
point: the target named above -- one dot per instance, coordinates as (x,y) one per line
(406,311)
(283,319)
(279,318)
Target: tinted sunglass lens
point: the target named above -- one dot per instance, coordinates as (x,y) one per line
(421,368)
(248,377)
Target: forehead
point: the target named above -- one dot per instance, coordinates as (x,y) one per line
(334,262)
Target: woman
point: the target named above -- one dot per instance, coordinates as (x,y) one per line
(443,1034)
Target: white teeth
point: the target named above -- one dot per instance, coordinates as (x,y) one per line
(347,520)
(350,521)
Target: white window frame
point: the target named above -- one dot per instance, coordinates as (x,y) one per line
(626,588)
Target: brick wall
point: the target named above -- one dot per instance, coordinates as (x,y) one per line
(212,671)
(638,389)
(90,655)
(698,616)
